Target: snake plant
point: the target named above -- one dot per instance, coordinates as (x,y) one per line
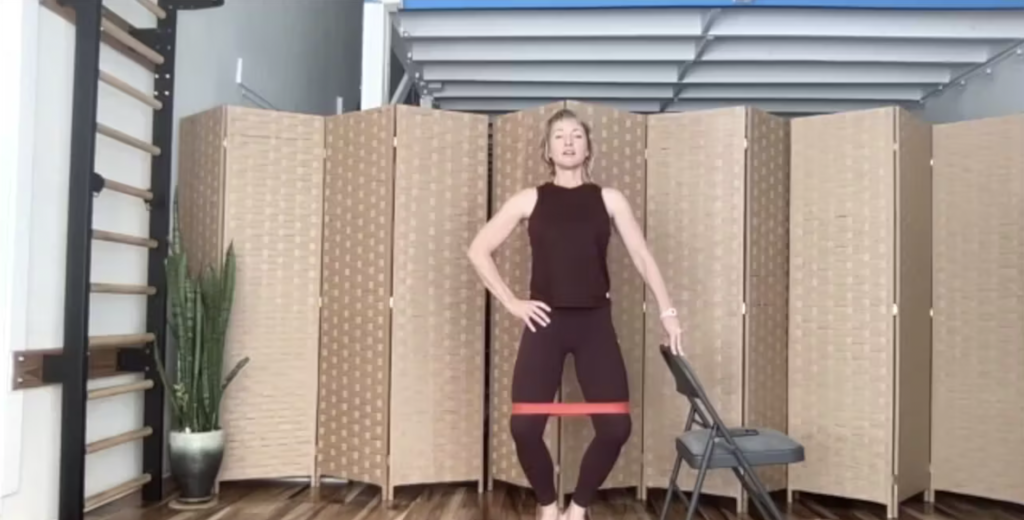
(200,309)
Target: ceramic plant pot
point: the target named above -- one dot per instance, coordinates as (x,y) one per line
(195,462)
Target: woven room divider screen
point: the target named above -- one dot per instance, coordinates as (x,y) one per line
(978,358)
(860,298)
(380,205)
(401,389)
(718,225)
(255,178)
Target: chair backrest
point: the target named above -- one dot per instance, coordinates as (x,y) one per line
(688,385)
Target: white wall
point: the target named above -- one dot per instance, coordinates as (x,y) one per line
(982,95)
(17,63)
(301,55)
(37,474)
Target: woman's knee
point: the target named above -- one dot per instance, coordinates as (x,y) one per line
(613,429)
(528,428)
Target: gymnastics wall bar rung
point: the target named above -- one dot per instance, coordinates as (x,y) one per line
(116,493)
(100,183)
(131,42)
(152,7)
(122,137)
(116,288)
(119,238)
(127,388)
(121,85)
(117,440)
(121,340)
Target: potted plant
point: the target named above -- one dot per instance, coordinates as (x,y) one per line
(200,309)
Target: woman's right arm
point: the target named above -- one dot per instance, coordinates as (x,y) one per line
(489,238)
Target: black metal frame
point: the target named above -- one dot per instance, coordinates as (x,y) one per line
(704,415)
(71,367)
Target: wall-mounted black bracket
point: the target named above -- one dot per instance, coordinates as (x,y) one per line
(191,5)
(97,183)
(53,368)
(134,359)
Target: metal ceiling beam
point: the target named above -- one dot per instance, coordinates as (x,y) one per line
(554,49)
(485,90)
(849,50)
(791,106)
(815,73)
(550,24)
(805,92)
(550,90)
(591,4)
(553,72)
(508,105)
(832,23)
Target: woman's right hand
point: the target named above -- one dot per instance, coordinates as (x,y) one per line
(531,312)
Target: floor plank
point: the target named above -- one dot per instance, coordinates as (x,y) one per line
(355,501)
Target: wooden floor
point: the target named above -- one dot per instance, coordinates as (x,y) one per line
(294,501)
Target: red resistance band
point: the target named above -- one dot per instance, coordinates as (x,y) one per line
(569,408)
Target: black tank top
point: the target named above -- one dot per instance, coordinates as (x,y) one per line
(569,231)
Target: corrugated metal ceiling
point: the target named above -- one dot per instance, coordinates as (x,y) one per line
(484,55)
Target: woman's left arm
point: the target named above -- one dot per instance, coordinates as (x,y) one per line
(633,238)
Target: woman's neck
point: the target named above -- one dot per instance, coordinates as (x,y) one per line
(568,178)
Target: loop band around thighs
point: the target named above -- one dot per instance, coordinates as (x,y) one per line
(564,409)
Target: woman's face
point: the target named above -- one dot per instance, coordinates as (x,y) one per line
(568,144)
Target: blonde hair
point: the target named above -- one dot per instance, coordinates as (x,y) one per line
(565,114)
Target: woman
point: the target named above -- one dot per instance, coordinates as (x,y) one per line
(569,222)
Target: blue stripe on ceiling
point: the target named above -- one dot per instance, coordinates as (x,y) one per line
(428,5)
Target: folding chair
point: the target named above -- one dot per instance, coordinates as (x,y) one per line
(738,449)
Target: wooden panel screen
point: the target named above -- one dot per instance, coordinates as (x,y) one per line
(856,213)
(255,178)
(766,325)
(914,304)
(978,408)
(355,345)
(438,321)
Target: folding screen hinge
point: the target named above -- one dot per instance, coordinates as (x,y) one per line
(743,308)
(391,302)
(931,162)
(895,309)
(746,143)
(394,141)
(324,152)
(643,306)
(931,313)
(320,302)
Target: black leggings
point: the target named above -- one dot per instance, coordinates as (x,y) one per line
(589,335)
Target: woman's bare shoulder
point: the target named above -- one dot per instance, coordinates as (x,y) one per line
(521,203)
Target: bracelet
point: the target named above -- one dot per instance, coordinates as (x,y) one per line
(671,311)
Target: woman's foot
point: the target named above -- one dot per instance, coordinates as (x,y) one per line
(548,512)
(574,512)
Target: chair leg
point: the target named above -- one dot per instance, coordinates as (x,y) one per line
(754,486)
(671,486)
(704,463)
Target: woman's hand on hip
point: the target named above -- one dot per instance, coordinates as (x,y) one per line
(675,334)
(532,312)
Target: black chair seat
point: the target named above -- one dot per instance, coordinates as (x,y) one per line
(760,446)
